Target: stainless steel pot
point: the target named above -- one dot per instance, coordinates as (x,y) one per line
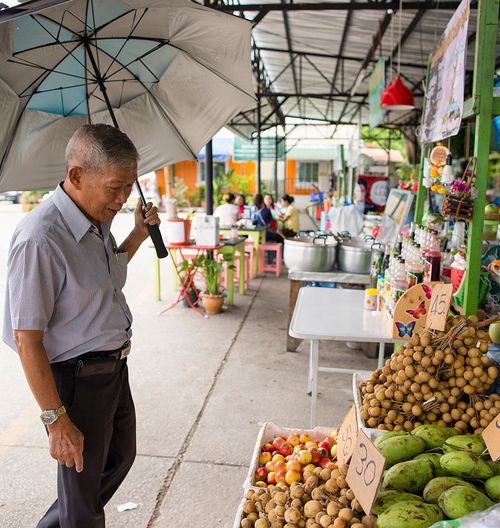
(355,256)
(310,253)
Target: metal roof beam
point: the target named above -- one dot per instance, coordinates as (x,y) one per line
(313,95)
(345,33)
(290,47)
(444,5)
(259,17)
(347,58)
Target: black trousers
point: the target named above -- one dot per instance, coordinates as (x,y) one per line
(102,408)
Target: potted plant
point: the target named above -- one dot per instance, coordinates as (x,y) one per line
(213,298)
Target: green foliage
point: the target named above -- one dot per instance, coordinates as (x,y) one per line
(181,190)
(210,270)
(407,172)
(230,182)
(383,137)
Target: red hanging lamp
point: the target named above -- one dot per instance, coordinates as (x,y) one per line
(396,95)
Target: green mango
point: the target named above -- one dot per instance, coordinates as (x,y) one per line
(410,476)
(439,485)
(400,448)
(433,435)
(433,458)
(459,501)
(410,515)
(494,465)
(388,498)
(387,435)
(492,487)
(466,465)
(468,442)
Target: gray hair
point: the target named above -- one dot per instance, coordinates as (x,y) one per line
(94,147)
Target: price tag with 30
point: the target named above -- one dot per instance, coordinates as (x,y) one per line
(346,438)
(365,471)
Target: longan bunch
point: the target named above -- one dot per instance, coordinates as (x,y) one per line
(420,383)
(324,500)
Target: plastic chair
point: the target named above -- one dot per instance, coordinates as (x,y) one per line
(277,266)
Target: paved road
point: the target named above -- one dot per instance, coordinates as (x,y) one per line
(201,388)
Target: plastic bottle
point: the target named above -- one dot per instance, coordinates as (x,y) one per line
(432,260)
(399,284)
(414,268)
(446,260)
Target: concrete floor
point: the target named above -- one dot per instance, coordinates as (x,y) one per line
(201,388)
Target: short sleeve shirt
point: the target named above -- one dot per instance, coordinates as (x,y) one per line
(65,277)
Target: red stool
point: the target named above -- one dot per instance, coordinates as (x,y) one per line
(276,267)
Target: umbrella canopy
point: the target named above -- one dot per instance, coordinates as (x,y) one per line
(172,72)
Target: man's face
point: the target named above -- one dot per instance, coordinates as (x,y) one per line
(103,195)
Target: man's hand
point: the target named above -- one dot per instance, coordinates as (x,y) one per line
(142,220)
(66,443)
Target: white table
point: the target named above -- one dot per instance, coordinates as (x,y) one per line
(335,315)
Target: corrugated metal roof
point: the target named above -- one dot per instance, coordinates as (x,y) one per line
(312,73)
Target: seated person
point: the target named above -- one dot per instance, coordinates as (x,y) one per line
(240,202)
(228,213)
(290,217)
(263,217)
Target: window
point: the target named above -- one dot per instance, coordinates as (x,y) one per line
(308,173)
(219,170)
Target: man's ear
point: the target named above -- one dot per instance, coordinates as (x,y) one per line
(75,176)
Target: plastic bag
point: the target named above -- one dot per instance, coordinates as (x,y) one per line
(346,218)
(489,518)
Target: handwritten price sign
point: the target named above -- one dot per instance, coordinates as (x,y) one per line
(439,306)
(491,436)
(346,438)
(365,471)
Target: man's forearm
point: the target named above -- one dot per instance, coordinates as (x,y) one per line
(131,244)
(39,374)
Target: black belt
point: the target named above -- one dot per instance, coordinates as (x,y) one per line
(118,354)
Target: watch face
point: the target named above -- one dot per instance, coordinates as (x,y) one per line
(48,417)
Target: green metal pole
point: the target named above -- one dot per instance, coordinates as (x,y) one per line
(482,95)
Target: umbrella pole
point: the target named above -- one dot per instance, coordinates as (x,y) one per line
(154,230)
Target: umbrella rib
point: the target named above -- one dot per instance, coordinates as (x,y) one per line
(134,27)
(95,33)
(162,110)
(125,66)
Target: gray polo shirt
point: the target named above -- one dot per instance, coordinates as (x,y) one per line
(66,279)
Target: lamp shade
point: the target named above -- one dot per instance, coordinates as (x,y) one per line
(396,96)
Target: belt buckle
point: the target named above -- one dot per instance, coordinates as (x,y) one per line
(124,352)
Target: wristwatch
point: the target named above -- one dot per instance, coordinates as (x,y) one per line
(50,416)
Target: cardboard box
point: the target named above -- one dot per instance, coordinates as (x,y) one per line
(267,433)
(206,230)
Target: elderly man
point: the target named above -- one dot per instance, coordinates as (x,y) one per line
(68,319)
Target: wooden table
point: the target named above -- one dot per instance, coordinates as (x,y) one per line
(336,315)
(299,278)
(258,235)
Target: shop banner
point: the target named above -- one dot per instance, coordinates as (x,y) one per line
(376,84)
(247,151)
(445,87)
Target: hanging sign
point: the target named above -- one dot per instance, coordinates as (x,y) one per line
(365,472)
(445,86)
(376,84)
(491,436)
(439,306)
(346,438)
(247,151)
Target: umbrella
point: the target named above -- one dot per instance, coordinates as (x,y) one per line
(169,73)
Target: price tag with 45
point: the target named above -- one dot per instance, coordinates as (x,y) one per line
(439,306)
(365,471)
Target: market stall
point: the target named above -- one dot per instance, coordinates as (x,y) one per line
(421,445)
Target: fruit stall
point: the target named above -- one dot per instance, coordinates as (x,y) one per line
(420,447)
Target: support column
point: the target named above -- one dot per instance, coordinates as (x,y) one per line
(276,143)
(259,152)
(209,179)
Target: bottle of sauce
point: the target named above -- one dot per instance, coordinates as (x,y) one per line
(432,259)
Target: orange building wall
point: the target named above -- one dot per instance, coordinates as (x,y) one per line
(245,168)
(188,172)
